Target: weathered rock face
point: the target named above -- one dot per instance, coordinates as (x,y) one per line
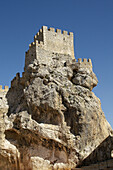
(54,119)
(3,111)
(9,154)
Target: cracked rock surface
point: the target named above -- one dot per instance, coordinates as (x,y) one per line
(53,119)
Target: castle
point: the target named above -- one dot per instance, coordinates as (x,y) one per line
(50,42)
(69,95)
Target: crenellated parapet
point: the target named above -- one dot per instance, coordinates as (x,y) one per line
(81,63)
(57,32)
(36,43)
(5,89)
(85,62)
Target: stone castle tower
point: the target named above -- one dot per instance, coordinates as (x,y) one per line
(48,42)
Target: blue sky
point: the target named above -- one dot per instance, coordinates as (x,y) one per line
(90,20)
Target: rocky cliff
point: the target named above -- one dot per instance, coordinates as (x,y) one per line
(50,118)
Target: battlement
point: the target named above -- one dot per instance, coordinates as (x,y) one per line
(84,61)
(39,35)
(36,43)
(5,89)
(81,63)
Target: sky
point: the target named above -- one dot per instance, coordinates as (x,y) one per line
(90,20)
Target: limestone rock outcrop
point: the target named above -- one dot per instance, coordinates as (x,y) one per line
(54,120)
(9,154)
